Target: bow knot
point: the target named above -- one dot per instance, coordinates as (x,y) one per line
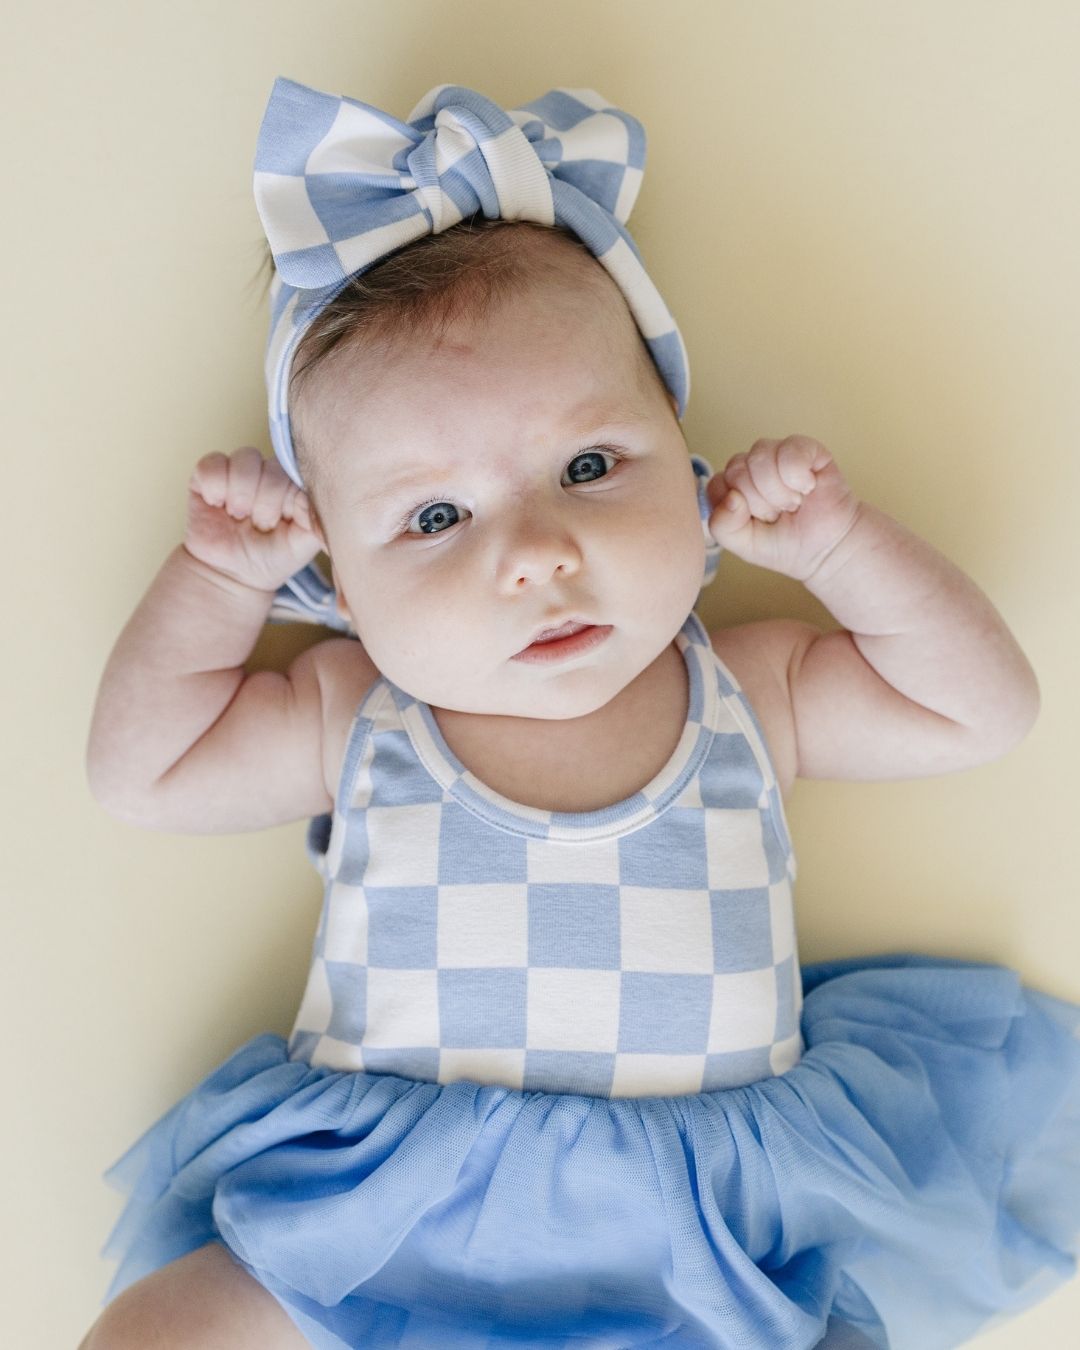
(336,180)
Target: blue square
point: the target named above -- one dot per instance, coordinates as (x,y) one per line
(786,1022)
(469,855)
(664,1014)
(348,993)
(736,1068)
(669,853)
(575,926)
(742,930)
(396,778)
(402,926)
(482,1009)
(352,864)
(730,776)
(562,1071)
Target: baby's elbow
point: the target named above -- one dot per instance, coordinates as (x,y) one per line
(1032,708)
(1017,718)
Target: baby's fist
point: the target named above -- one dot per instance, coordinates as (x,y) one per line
(784,505)
(247,519)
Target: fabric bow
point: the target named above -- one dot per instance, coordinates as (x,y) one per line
(339,184)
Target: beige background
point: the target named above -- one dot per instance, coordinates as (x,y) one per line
(864,216)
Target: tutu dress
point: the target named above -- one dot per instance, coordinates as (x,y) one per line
(557,1080)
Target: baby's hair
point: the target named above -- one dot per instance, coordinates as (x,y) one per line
(423,288)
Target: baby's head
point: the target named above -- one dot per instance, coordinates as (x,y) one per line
(490,450)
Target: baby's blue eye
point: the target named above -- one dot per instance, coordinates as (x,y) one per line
(437,515)
(597,459)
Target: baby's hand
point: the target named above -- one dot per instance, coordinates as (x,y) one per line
(248,519)
(784,506)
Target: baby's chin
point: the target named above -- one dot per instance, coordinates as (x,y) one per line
(532,708)
(555,701)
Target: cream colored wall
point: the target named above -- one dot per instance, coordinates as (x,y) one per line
(864,216)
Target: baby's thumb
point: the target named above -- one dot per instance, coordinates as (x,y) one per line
(730,515)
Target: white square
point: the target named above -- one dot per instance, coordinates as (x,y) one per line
(318,1002)
(402,1009)
(552,862)
(734,850)
(503,1067)
(346,933)
(358,141)
(743,1010)
(657,1075)
(335,1054)
(781,921)
(297,224)
(403,845)
(628,192)
(482,926)
(666,930)
(786,1054)
(573,1010)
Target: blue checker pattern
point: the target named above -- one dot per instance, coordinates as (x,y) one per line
(644,949)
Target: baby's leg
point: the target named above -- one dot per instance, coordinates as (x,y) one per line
(203,1301)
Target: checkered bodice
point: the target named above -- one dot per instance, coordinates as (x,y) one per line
(645,949)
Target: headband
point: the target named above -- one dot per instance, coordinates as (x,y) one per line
(340,184)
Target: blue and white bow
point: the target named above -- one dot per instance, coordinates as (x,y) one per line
(340,184)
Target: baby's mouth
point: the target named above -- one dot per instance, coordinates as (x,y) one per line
(550,634)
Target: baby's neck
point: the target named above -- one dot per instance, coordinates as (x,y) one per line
(582,763)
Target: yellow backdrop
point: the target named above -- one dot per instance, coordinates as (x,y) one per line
(864,216)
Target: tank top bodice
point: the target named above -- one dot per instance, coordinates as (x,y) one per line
(643,949)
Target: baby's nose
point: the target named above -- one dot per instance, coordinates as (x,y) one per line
(542,542)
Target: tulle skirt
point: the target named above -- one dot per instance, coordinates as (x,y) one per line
(914,1179)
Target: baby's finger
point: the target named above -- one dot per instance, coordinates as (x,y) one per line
(796,460)
(269,503)
(737,475)
(296,506)
(210,478)
(245,469)
(731,515)
(762,464)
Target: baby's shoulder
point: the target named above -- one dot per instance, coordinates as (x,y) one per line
(346,675)
(759,656)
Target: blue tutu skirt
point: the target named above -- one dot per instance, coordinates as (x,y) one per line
(914,1179)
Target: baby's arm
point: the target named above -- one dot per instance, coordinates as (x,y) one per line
(926,676)
(182,738)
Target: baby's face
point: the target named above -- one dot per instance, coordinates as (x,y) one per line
(499,480)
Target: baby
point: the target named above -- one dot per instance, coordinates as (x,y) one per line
(466,507)
(487,463)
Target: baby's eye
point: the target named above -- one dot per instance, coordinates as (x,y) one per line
(596,456)
(433,516)
(437,515)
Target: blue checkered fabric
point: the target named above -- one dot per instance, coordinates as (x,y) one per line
(339,184)
(644,949)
